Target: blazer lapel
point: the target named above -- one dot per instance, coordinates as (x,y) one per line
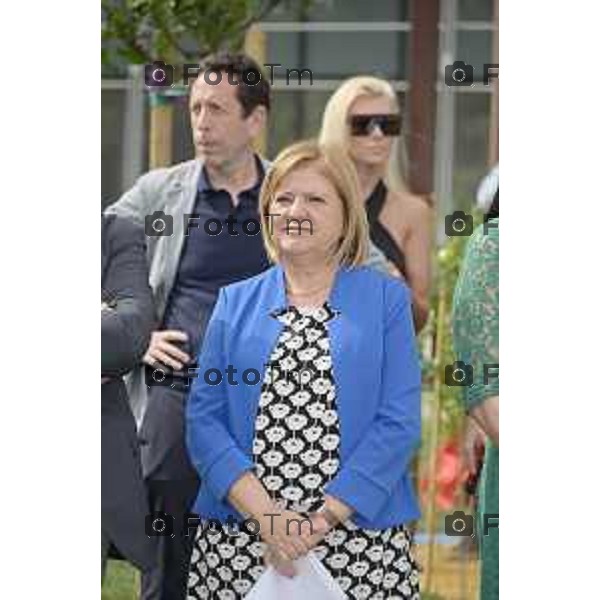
(180,201)
(274,299)
(271,327)
(267,328)
(255,351)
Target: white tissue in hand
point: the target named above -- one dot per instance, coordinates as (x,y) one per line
(312,580)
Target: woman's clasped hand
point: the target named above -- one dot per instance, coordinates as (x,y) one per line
(288,535)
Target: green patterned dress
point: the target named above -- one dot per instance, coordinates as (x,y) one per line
(475,332)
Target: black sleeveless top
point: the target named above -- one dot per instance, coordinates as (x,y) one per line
(378,233)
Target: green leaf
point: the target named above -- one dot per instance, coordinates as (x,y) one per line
(177,30)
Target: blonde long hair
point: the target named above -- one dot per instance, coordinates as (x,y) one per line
(335,130)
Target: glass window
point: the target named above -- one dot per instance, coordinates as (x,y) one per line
(342,10)
(294,116)
(470,146)
(474,48)
(183,145)
(336,55)
(476,10)
(113,110)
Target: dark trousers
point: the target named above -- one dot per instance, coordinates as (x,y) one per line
(169,580)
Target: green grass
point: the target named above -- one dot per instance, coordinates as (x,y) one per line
(121,581)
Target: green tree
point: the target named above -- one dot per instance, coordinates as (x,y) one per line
(177,31)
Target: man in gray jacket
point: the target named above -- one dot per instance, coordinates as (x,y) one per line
(189,261)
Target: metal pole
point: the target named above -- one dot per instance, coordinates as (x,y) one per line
(161,131)
(422,94)
(435,417)
(255,45)
(133,132)
(493,152)
(443,169)
(444,151)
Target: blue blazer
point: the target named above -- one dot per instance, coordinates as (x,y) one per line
(378,392)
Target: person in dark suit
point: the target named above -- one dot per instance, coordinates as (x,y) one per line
(127,322)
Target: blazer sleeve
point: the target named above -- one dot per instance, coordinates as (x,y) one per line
(212,449)
(128,323)
(375,467)
(136,202)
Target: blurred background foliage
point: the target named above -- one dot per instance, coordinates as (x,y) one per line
(447,262)
(178,31)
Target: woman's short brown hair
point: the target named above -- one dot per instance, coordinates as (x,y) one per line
(339,170)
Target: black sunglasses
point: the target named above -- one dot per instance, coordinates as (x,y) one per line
(365,124)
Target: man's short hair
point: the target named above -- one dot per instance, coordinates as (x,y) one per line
(239,64)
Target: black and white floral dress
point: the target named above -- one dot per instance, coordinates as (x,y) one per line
(296,453)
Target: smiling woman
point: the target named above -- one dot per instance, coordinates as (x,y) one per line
(312,186)
(329,436)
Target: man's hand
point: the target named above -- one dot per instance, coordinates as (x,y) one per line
(163,349)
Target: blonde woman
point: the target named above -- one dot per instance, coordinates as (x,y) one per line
(362,119)
(316,457)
